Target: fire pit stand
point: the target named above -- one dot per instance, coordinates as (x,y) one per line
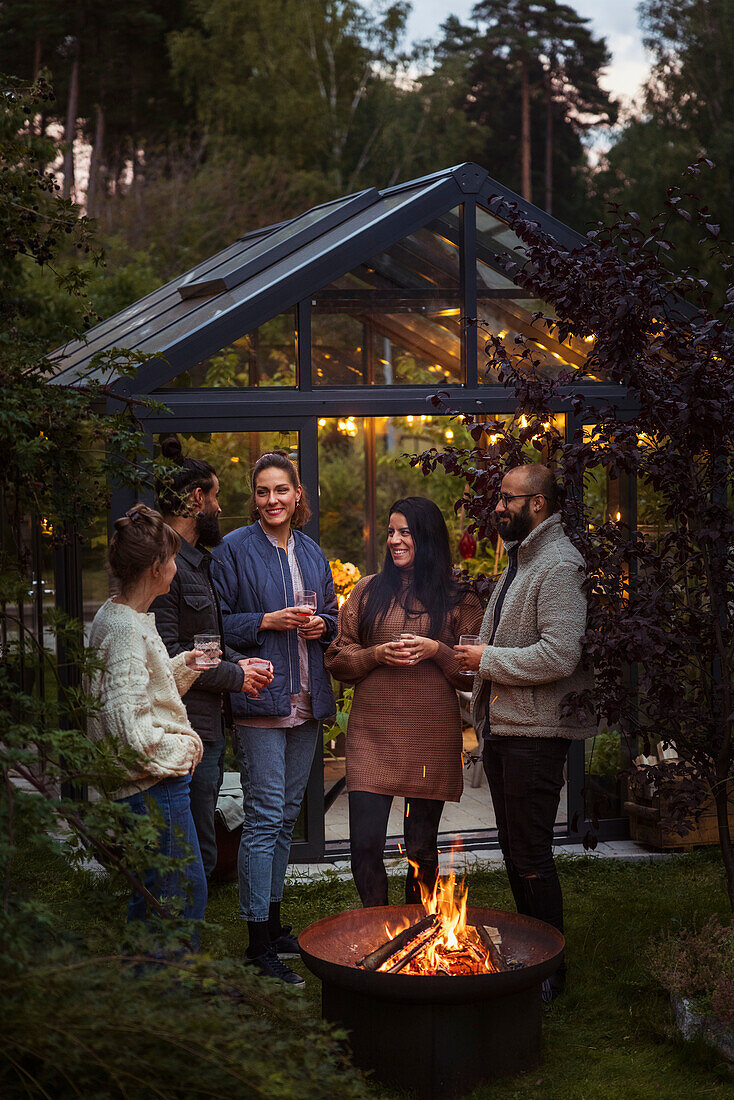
(438,1035)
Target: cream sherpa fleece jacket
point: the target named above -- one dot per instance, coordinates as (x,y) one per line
(139,695)
(535,658)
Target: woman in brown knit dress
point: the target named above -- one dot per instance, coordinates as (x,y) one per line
(404,733)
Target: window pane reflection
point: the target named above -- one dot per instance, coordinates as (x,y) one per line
(264,357)
(233,455)
(394,320)
(511,317)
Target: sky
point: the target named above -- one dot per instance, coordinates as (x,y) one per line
(615,20)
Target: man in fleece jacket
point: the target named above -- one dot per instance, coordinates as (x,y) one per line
(529,658)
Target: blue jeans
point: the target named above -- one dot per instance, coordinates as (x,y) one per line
(205,784)
(274,766)
(172,798)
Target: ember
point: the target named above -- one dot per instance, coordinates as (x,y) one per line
(441,942)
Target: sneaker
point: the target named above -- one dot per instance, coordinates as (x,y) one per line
(286,945)
(271,967)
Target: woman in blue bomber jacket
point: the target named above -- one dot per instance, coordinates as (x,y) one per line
(264,569)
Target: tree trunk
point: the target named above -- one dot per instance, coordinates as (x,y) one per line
(72,105)
(526,187)
(95,160)
(548,150)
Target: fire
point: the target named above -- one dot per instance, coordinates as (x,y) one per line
(447,945)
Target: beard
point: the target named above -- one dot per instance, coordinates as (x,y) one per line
(514,528)
(207,528)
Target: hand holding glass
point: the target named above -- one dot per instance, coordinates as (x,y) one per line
(210,651)
(305,603)
(400,643)
(462,656)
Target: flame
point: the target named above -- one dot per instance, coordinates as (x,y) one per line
(453,946)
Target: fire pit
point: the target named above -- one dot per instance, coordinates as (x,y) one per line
(455,1013)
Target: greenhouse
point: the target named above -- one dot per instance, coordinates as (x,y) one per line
(327,335)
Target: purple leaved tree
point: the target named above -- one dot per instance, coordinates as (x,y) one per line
(661,601)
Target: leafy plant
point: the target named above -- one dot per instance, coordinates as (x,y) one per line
(660,599)
(699,965)
(103,1008)
(341,721)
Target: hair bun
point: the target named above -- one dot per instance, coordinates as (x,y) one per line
(171,447)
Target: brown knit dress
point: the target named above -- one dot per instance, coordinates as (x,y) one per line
(404,735)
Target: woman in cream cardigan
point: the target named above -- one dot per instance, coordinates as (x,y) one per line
(139,701)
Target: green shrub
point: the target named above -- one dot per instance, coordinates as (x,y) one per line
(699,965)
(75,1025)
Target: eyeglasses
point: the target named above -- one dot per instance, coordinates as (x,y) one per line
(507,498)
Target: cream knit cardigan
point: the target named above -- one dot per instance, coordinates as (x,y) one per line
(139,696)
(536,657)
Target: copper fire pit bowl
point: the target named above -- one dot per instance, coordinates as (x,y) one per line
(434,1035)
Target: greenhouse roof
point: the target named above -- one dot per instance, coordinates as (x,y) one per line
(266,272)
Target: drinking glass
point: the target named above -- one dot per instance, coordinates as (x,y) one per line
(260,662)
(402,637)
(305,603)
(209,645)
(469,639)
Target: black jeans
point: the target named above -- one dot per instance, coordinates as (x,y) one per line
(525,776)
(368,815)
(204,791)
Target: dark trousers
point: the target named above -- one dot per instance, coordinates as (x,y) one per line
(368,816)
(525,776)
(205,784)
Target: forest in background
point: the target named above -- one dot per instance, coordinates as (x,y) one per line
(180,125)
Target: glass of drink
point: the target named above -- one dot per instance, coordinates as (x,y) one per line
(469,639)
(402,639)
(209,645)
(260,662)
(305,603)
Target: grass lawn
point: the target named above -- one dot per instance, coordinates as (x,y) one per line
(609,1036)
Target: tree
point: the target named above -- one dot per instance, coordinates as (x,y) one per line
(111,72)
(90,1009)
(291,80)
(686,113)
(658,602)
(547,50)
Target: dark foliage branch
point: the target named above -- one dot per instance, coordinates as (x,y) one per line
(61,449)
(662,603)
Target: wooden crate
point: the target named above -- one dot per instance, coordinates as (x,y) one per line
(649,809)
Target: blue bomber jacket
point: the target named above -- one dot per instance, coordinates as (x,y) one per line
(254,578)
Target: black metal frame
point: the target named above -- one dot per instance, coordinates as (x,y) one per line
(369,226)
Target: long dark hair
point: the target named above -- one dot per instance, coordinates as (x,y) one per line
(175,487)
(432,586)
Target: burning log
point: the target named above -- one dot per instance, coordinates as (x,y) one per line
(492,941)
(377,958)
(442,942)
